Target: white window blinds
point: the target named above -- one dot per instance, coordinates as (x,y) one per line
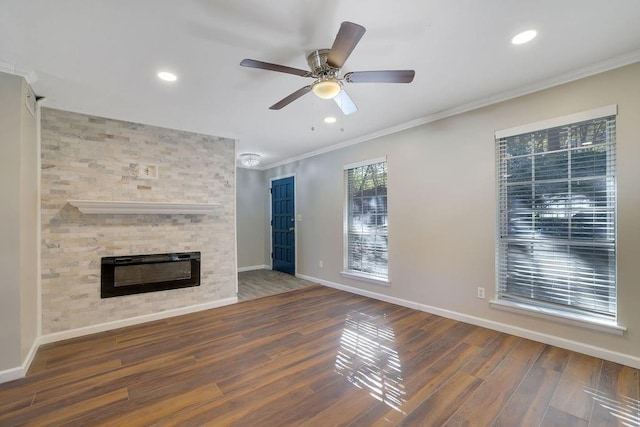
(366,237)
(556,243)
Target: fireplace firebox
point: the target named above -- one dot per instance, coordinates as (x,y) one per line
(125,275)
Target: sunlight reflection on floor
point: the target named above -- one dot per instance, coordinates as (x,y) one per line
(368,358)
(625,409)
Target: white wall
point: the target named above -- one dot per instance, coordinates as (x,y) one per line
(18,224)
(441,179)
(10,89)
(251,195)
(29,244)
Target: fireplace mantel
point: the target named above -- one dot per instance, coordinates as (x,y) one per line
(115,207)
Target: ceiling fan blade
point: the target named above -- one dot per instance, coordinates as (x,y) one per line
(387,76)
(252,63)
(345,103)
(289,99)
(348,37)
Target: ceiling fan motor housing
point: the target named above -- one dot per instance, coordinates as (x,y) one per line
(317,61)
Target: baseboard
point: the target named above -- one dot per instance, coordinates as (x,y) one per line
(613,356)
(20,372)
(12,374)
(87,330)
(32,353)
(254,267)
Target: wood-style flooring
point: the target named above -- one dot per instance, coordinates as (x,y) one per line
(316,357)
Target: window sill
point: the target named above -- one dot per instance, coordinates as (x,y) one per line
(366,278)
(574,319)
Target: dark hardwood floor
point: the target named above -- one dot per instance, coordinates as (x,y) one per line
(316,357)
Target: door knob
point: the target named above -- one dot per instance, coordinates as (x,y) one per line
(291,228)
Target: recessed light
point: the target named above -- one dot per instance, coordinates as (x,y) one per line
(166,76)
(524,37)
(329,120)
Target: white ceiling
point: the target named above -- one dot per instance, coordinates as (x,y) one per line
(101,58)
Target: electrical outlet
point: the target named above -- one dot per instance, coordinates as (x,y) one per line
(481,293)
(321,264)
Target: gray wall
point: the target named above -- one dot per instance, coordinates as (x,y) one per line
(18,224)
(442,207)
(252,194)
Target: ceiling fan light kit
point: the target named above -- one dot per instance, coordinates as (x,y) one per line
(325,65)
(326,88)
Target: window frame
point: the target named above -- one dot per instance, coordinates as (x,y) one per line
(356,274)
(540,308)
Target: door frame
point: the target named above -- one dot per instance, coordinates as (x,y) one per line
(295,216)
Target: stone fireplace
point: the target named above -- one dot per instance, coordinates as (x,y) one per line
(97,159)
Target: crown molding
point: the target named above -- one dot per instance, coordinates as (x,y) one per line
(9,68)
(600,67)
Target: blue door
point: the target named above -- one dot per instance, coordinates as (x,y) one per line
(283,250)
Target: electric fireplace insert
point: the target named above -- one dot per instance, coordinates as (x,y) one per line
(125,275)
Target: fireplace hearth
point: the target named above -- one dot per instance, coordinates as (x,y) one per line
(126,275)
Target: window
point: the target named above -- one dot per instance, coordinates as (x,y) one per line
(366,219)
(556,243)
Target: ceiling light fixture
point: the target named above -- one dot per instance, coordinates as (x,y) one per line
(167,77)
(329,120)
(524,37)
(326,88)
(250,160)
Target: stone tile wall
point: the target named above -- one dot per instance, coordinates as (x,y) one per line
(93,158)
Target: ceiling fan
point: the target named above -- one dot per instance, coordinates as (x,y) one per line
(325,65)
